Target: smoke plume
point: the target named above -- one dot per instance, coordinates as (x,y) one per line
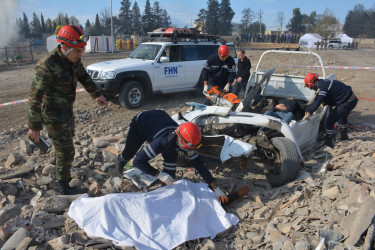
(8,25)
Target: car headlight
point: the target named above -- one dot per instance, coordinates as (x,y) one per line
(108,75)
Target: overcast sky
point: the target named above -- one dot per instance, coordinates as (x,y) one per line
(184,12)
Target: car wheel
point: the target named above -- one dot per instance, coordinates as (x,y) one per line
(345,47)
(287,165)
(330,47)
(131,95)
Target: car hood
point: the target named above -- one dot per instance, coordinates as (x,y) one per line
(119,65)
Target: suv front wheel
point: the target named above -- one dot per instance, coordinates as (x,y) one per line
(131,95)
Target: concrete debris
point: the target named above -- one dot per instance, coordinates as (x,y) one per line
(330,206)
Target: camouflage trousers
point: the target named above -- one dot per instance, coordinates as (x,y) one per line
(62,138)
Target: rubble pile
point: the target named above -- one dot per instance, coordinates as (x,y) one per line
(330,206)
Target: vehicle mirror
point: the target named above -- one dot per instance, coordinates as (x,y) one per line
(164,59)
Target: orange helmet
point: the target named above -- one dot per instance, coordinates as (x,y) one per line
(71,35)
(310,79)
(189,135)
(223,50)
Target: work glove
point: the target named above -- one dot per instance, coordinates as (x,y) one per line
(205,88)
(165,178)
(221,196)
(226,88)
(307,116)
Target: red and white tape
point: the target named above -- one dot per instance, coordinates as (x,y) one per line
(26,100)
(329,67)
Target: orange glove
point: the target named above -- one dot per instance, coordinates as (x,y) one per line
(221,196)
(165,178)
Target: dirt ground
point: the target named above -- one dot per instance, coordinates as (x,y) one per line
(15,82)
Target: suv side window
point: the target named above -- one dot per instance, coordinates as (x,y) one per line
(190,53)
(173,52)
(205,51)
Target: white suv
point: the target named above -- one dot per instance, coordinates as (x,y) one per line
(154,67)
(337,44)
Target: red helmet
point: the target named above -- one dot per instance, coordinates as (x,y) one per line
(310,79)
(71,35)
(189,135)
(223,50)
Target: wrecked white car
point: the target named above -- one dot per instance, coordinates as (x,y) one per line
(235,131)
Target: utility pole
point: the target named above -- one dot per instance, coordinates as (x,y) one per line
(260,13)
(112,38)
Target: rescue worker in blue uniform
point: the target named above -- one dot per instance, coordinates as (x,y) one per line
(337,95)
(168,138)
(219,70)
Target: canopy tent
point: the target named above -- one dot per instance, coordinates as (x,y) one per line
(94,44)
(344,38)
(309,40)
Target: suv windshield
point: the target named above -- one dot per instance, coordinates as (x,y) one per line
(146,51)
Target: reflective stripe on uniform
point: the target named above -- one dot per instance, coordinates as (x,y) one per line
(162,130)
(323,93)
(170,166)
(150,152)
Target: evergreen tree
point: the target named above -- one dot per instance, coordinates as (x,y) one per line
(25,25)
(310,22)
(165,19)
(225,18)
(212,23)
(54,26)
(125,17)
(87,24)
(42,23)
(36,27)
(156,16)
(97,31)
(66,19)
(49,26)
(147,18)
(254,27)
(19,24)
(136,19)
(295,24)
(200,22)
(355,21)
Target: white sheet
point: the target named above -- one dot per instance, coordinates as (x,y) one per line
(160,219)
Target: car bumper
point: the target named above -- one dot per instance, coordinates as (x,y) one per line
(108,87)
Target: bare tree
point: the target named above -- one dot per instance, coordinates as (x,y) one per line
(327,25)
(247,18)
(280,20)
(74,20)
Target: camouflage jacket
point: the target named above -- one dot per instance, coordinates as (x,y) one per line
(53,89)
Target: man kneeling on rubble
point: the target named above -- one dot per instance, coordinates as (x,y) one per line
(165,136)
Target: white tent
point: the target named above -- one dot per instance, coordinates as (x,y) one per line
(309,40)
(94,44)
(344,38)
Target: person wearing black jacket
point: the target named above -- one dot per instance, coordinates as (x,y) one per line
(167,138)
(243,71)
(337,95)
(219,70)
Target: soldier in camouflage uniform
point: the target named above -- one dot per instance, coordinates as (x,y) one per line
(52,96)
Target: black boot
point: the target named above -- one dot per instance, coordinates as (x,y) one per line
(328,140)
(120,163)
(65,189)
(343,136)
